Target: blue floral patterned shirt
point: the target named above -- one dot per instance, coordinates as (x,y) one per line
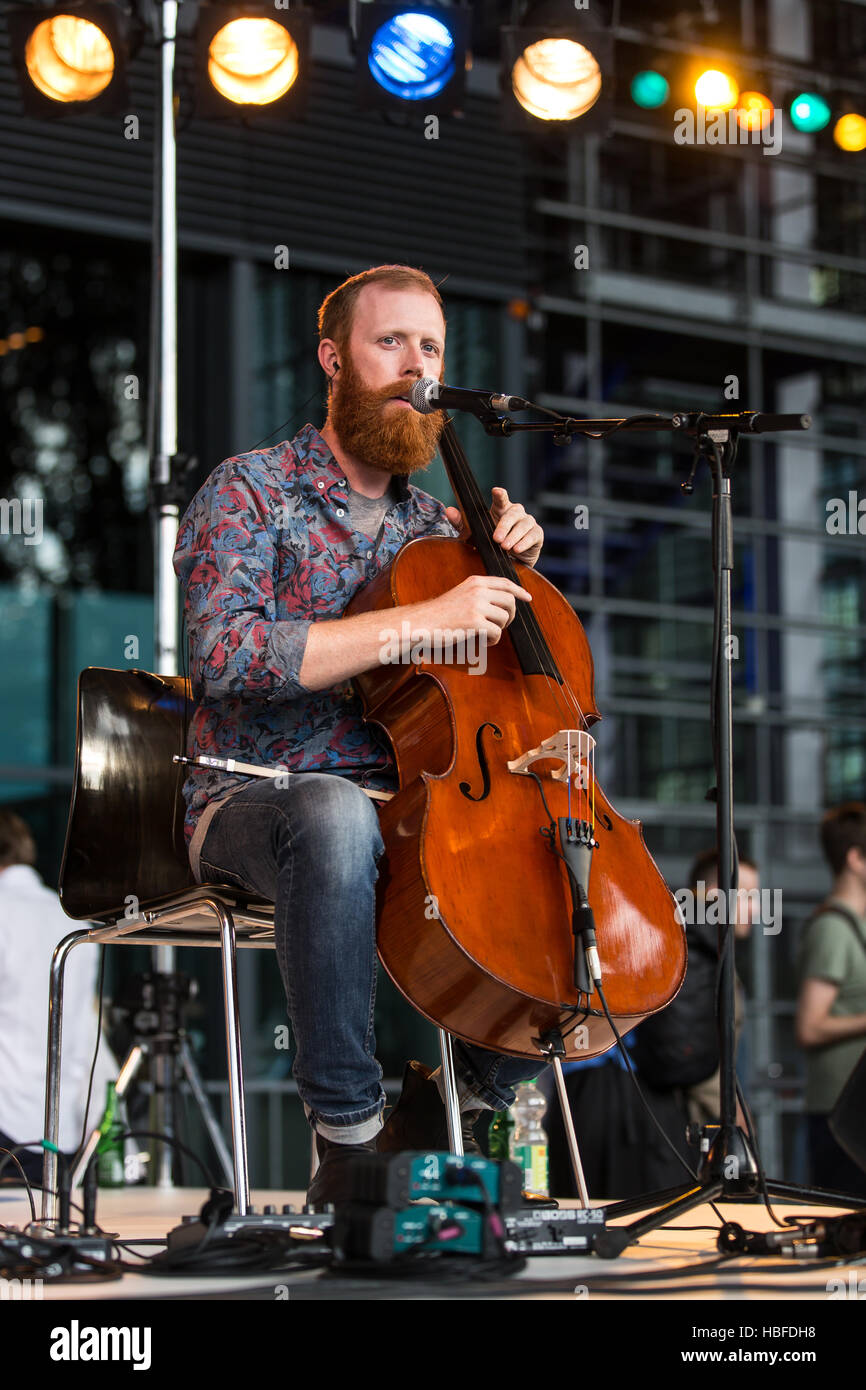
(265,549)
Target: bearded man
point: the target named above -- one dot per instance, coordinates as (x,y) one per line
(269,553)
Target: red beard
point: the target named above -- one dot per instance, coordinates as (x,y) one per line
(394,440)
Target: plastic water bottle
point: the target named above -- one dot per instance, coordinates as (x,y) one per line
(529,1140)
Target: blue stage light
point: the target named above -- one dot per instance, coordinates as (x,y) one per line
(413,55)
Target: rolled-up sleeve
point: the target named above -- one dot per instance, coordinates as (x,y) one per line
(443,527)
(226,559)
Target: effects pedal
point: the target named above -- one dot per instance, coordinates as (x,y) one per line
(302,1226)
(393,1180)
(380,1234)
(565,1231)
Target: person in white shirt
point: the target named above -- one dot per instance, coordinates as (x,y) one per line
(32,922)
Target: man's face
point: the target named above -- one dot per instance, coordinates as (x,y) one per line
(748,908)
(856,864)
(745,906)
(397,336)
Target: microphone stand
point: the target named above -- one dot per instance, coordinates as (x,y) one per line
(729,1170)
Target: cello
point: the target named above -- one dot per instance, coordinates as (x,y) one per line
(500,837)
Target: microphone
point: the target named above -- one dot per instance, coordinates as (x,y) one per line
(428,395)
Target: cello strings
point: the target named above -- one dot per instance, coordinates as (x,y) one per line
(563,693)
(507,570)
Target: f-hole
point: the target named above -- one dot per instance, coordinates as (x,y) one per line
(465,787)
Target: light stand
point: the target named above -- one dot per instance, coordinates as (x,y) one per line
(729,1170)
(164,491)
(164,504)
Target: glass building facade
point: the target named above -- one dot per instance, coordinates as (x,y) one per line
(627,274)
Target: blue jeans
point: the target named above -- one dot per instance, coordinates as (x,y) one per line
(312,847)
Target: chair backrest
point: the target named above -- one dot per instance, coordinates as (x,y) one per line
(124,837)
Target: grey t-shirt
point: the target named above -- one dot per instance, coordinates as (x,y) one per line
(368,513)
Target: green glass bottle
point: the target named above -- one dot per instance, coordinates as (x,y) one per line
(109,1150)
(499,1135)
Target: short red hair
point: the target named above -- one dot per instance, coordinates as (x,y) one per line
(337,309)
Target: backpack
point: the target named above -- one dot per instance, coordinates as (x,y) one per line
(679,1045)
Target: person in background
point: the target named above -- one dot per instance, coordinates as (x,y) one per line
(702,1099)
(32,922)
(831,1008)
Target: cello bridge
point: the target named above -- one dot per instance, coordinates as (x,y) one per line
(573,749)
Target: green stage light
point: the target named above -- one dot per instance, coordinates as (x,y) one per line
(650,90)
(810,112)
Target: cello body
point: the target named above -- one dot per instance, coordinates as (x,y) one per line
(474,907)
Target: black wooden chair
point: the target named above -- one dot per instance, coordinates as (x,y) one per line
(125,868)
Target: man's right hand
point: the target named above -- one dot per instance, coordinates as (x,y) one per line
(482,603)
(344,647)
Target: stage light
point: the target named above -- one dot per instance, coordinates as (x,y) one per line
(71,58)
(556,79)
(809,112)
(716,90)
(252,61)
(410,54)
(849,132)
(754,111)
(649,89)
(16,341)
(557,63)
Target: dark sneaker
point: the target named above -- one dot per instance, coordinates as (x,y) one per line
(333,1177)
(417,1122)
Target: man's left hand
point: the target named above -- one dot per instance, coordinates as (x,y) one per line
(515,530)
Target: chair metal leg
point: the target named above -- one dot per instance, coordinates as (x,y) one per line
(235,1059)
(452,1104)
(52,1069)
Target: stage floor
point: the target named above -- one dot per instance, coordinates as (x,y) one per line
(680,1262)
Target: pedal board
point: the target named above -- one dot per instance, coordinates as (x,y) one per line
(390,1205)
